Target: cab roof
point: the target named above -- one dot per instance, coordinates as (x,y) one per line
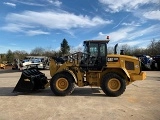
(96,41)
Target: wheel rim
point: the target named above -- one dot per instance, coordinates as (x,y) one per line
(62,84)
(114,84)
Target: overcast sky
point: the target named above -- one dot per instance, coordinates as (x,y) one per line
(27,24)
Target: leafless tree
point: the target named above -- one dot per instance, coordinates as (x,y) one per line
(38,51)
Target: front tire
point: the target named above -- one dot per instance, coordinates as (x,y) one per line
(113,84)
(62,84)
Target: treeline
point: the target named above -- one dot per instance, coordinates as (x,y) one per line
(38,51)
(152,50)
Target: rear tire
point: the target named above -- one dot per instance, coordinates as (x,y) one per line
(113,84)
(62,84)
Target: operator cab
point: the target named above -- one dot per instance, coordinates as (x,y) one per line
(95,54)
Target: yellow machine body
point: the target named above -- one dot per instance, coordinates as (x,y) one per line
(126,66)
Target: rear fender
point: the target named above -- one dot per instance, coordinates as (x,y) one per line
(121,71)
(126,72)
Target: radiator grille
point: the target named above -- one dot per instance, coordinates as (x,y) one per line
(129,65)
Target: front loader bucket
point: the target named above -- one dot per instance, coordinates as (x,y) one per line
(30,80)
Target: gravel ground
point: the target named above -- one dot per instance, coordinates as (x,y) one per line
(141,100)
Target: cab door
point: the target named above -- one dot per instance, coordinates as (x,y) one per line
(97,58)
(102,55)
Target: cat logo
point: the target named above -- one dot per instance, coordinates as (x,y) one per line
(112,59)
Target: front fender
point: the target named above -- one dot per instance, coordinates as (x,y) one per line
(68,72)
(73,75)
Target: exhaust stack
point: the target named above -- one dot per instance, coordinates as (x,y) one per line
(115,48)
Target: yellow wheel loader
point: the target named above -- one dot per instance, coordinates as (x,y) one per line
(93,67)
(2,66)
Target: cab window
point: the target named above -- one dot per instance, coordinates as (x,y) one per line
(93,49)
(102,50)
